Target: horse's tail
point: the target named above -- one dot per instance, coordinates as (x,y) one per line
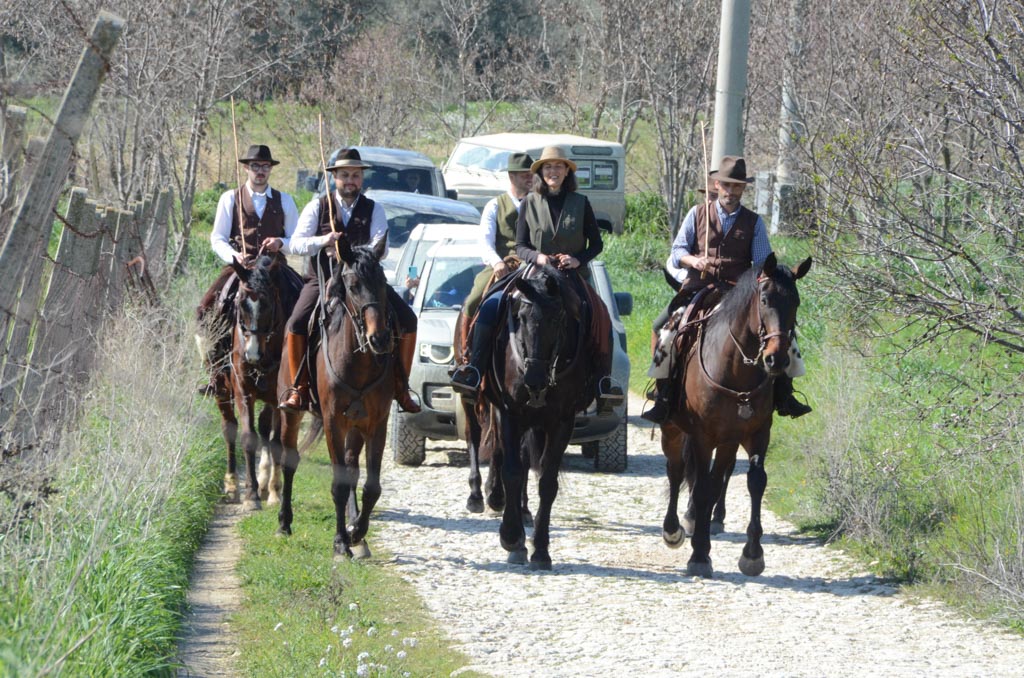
(315,432)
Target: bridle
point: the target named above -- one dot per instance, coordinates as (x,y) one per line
(551,366)
(764,336)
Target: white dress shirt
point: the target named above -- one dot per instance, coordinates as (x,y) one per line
(305,240)
(221,234)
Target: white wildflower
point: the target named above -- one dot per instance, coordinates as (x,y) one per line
(279,625)
(323,662)
(353,607)
(401,654)
(363,656)
(372,631)
(347,643)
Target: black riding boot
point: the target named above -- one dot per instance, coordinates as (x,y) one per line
(785,404)
(662,395)
(466,379)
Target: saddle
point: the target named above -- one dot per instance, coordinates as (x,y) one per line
(679,335)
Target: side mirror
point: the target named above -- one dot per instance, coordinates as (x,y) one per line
(452,193)
(604,225)
(624,303)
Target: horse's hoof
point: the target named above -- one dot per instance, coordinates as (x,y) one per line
(688,526)
(704,570)
(272,500)
(527,519)
(474,505)
(542,563)
(517,556)
(252,505)
(675,540)
(230,498)
(751,568)
(519,543)
(284,532)
(360,551)
(717,527)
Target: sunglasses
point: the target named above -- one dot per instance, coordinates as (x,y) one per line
(260,167)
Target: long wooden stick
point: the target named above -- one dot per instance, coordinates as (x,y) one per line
(328,182)
(707,194)
(238,178)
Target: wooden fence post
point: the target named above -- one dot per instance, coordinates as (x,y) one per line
(35,212)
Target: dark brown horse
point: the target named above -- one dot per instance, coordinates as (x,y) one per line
(541,376)
(266,295)
(355,385)
(727,402)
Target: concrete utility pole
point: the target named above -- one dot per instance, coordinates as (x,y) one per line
(786,203)
(731,88)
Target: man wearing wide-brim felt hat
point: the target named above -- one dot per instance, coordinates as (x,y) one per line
(258,153)
(348,157)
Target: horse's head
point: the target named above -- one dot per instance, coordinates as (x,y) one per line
(359,289)
(777,303)
(258,312)
(540,316)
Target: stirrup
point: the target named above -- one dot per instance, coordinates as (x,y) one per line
(462,385)
(301,406)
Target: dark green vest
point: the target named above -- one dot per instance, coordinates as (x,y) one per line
(567,236)
(505,234)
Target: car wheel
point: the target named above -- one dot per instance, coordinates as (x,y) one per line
(610,453)
(408,449)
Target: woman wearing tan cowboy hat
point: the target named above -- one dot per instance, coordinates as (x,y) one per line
(556,227)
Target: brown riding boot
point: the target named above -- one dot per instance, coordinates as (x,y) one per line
(406,353)
(296,399)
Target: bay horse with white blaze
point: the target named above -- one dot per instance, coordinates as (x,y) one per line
(540,377)
(266,295)
(726,402)
(354,378)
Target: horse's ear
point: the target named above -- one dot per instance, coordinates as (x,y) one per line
(800,270)
(241,271)
(380,247)
(768,267)
(527,289)
(345,250)
(671,280)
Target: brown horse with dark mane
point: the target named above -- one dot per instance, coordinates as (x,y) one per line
(541,375)
(266,295)
(726,401)
(354,377)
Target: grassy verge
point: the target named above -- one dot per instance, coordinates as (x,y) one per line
(97,534)
(305,614)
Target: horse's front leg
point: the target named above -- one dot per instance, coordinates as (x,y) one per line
(703,495)
(343,484)
(250,444)
(270,462)
(672,441)
(229,429)
(511,533)
(475,503)
(752,559)
(554,444)
(289,462)
(372,487)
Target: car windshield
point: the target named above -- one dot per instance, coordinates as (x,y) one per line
(450,282)
(480,157)
(397,178)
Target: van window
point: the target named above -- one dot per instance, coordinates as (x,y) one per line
(598,175)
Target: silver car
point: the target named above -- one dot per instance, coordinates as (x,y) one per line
(445,281)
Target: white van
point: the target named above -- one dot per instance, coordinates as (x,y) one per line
(476,169)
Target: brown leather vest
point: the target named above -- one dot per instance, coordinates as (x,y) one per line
(256,228)
(357,231)
(732,250)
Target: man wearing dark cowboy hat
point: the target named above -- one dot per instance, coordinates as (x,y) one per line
(248,219)
(497,241)
(735,238)
(362,222)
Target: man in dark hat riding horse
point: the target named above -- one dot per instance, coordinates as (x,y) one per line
(719,239)
(362,222)
(249,219)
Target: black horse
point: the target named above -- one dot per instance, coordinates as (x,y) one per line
(541,376)
(727,401)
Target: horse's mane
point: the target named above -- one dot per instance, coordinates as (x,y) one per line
(735,301)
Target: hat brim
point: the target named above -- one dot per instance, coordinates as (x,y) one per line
(246,161)
(349,164)
(537,164)
(727,180)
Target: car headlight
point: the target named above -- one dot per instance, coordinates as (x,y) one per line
(441,354)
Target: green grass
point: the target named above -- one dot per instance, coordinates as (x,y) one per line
(306,614)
